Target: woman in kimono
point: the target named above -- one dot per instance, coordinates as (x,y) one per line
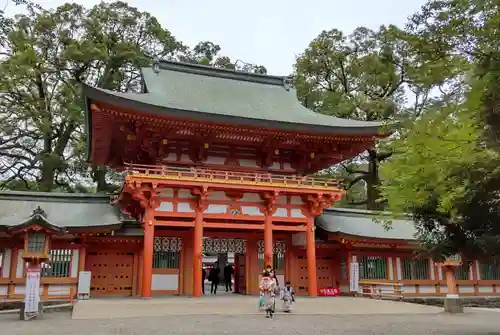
(267,291)
(288,297)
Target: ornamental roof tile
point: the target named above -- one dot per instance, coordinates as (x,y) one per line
(63,210)
(203,93)
(361,223)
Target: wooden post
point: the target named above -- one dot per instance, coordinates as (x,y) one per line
(312,287)
(268,240)
(451,281)
(147,267)
(82,253)
(198,253)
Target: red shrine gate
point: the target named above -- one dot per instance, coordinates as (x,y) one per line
(230,161)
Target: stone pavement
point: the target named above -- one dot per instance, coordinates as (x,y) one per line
(238,305)
(412,324)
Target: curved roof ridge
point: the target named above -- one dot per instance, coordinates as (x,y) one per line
(206,70)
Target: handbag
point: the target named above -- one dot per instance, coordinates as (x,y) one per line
(261,301)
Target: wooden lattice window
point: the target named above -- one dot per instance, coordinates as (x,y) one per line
(373,267)
(415,268)
(36,242)
(59,263)
(278,261)
(462,272)
(163,259)
(489,271)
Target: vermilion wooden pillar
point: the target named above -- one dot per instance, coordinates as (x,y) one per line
(197,253)
(147,263)
(268,240)
(451,281)
(312,287)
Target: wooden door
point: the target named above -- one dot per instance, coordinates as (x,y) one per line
(241,273)
(111,272)
(325,273)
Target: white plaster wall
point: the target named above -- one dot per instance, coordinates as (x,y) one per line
(20,264)
(185,159)
(4,289)
(281,280)
(215,160)
(248,163)
(465,288)
(398,268)
(443,289)
(391,273)
(184,194)
(275,166)
(216,209)
(251,210)
(485,289)
(217,195)
(172,157)
(427,289)
(409,289)
(287,166)
(281,200)
(296,201)
(184,207)
(74,263)
(167,192)
(296,213)
(299,239)
(165,282)
(476,264)
(166,206)
(59,289)
(281,212)
(20,289)
(251,197)
(7,256)
(432,275)
(440,272)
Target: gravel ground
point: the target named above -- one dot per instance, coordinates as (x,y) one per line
(480,322)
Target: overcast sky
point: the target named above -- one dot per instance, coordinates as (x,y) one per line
(265,32)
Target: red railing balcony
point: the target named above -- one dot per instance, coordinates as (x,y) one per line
(232,177)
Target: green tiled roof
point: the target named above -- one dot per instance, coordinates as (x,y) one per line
(62,210)
(219,95)
(360,223)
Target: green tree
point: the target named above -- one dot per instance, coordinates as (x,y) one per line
(470,30)
(368,76)
(49,53)
(444,177)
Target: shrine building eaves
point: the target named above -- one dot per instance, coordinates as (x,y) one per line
(203,93)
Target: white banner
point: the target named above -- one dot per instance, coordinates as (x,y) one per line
(354,277)
(32,294)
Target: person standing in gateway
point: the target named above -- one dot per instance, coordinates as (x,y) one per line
(214,278)
(228,276)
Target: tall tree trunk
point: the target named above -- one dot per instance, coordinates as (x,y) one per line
(373,182)
(99,177)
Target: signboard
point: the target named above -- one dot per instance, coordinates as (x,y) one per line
(329,292)
(84,284)
(354,277)
(32,293)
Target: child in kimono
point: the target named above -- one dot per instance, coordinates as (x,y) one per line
(288,297)
(267,291)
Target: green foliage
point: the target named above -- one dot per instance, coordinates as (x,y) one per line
(368,76)
(446,173)
(46,57)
